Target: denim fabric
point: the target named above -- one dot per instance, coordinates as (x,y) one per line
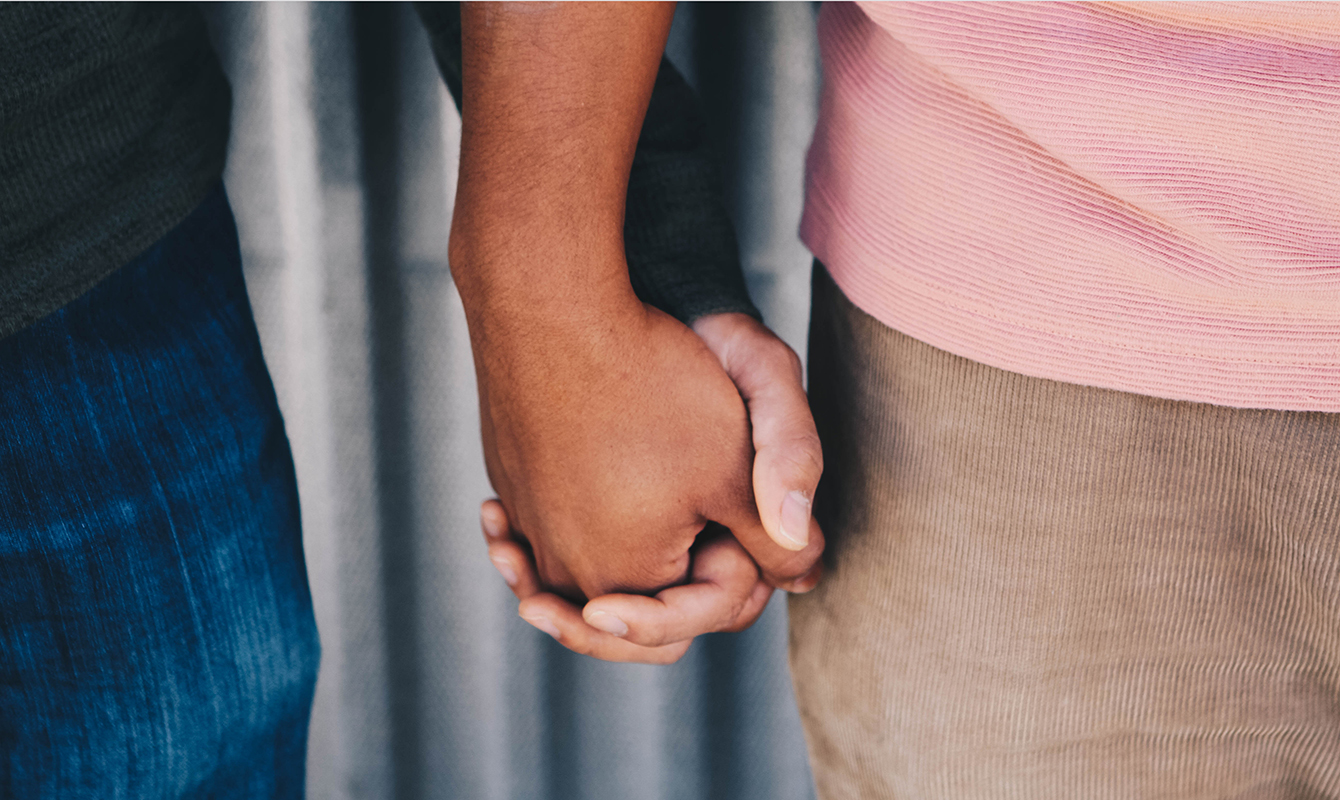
(156,629)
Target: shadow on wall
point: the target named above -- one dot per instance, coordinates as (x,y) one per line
(341,171)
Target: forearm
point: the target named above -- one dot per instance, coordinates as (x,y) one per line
(553,100)
(678,238)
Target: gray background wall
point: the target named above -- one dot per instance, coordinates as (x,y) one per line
(342,170)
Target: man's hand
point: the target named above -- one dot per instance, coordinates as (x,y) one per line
(788,459)
(725,592)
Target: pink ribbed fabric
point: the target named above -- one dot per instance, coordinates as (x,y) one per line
(1141,197)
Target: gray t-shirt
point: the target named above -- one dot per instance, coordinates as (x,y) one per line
(114,124)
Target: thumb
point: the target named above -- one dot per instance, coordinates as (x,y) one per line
(788,458)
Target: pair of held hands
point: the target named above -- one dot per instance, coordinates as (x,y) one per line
(613,433)
(664,473)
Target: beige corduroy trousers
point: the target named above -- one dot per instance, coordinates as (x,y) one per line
(1038,590)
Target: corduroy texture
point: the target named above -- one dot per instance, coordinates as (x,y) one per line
(1039,590)
(1141,197)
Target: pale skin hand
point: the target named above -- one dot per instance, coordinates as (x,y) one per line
(726,593)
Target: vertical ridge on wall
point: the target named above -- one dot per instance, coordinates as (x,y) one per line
(342,171)
(294,181)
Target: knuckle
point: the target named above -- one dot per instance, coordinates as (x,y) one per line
(781,361)
(790,359)
(766,356)
(745,620)
(775,353)
(649,635)
(580,645)
(670,573)
(802,455)
(731,614)
(792,445)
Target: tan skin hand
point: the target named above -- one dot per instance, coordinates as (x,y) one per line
(611,453)
(726,592)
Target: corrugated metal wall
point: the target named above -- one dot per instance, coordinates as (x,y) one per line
(341,171)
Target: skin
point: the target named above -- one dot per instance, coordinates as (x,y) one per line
(612,433)
(724,594)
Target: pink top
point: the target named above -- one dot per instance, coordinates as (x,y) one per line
(1141,197)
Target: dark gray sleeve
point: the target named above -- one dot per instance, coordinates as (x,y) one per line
(680,244)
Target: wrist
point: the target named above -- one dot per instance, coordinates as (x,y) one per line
(548,308)
(517,273)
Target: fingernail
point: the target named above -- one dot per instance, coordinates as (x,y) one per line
(495,524)
(607,622)
(504,569)
(795,525)
(544,624)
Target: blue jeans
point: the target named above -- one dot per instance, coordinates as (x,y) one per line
(156,629)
